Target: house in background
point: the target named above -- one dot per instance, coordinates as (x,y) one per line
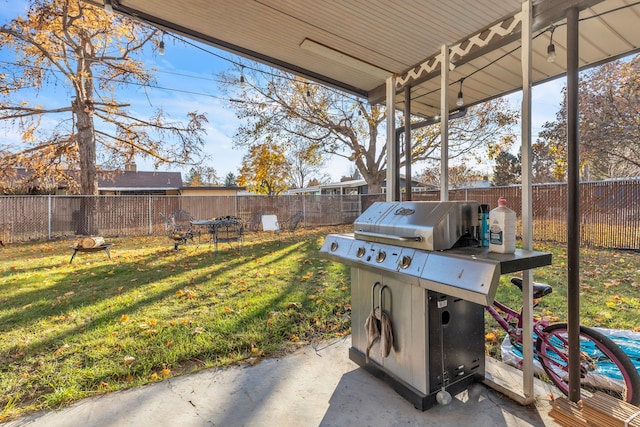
(356,186)
(350,187)
(212,191)
(118,183)
(134,183)
(22,182)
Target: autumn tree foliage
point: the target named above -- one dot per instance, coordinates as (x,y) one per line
(264,169)
(460,176)
(609,125)
(201,176)
(90,54)
(507,169)
(297,113)
(305,164)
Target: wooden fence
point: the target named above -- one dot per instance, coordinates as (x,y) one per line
(609,211)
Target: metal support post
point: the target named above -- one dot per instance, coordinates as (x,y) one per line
(527,203)
(392,147)
(444,124)
(573,206)
(407,143)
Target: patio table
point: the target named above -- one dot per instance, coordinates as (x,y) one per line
(226,229)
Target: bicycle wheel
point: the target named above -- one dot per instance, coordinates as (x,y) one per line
(604,366)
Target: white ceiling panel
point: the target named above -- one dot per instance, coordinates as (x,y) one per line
(396,37)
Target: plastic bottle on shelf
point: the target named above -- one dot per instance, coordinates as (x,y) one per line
(502,229)
(483,217)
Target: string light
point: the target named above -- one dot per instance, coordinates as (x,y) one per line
(108,7)
(242,76)
(551,49)
(308,91)
(460,100)
(161,46)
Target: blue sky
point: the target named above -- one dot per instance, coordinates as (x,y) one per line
(190,73)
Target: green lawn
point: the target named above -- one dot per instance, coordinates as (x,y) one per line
(609,291)
(99,325)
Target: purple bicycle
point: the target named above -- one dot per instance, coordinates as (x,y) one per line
(604,366)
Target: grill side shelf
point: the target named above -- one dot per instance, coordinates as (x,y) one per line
(469,273)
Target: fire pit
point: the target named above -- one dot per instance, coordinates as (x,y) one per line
(419,277)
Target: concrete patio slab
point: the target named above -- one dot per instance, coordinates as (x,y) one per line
(314,386)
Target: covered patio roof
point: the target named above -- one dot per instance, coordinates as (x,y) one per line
(385,51)
(354,45)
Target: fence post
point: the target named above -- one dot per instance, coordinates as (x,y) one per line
(150,205)
(304,210)
(235,205)
(49,219)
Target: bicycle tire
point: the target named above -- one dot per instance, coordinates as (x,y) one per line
(597,351)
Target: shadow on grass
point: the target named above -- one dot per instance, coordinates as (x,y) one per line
(238,293)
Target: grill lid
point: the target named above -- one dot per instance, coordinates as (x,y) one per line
(431,226)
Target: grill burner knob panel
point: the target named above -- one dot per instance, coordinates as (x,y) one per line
(381,256)
(405,261)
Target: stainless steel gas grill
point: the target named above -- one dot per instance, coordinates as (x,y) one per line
(419,281)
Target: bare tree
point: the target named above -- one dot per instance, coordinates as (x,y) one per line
(295,112)
(90,53)
(609,129)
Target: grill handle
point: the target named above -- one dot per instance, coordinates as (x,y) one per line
(372,235)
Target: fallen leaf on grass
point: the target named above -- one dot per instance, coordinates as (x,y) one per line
(253,360)
(128,360)
(611,283)
(62,348)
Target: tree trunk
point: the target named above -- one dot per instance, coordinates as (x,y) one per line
(88,224)
(375,181)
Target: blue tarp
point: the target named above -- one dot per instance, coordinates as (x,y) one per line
(628,341)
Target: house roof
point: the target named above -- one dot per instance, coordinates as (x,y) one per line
(137,180)
(214,187)
(357,45)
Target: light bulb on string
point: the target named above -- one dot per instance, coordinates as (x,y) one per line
(551,49)
(161,45)
(460,100)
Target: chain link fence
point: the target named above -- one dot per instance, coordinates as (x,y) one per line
(609,211)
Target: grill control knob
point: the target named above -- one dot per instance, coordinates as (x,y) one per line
(334,246)
(405,262)
(381,256)
(360,252)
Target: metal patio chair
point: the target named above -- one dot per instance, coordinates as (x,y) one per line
(178,227)
(254,222)
(290,224)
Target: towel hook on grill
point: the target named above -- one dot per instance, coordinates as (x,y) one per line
(378,324)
